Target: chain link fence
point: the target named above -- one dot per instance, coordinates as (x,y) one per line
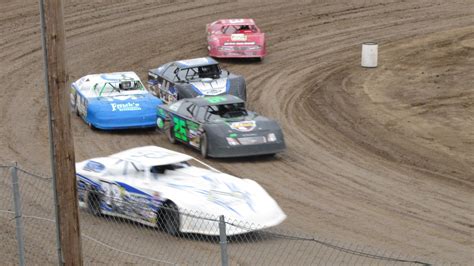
(28,233)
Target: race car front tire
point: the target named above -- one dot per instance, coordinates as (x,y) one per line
(168,218)
(170,134)
(93,203)
(204,145)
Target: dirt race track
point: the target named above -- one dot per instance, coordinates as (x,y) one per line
(381,157)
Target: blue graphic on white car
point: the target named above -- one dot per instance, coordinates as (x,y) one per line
(140,184)
(114,101)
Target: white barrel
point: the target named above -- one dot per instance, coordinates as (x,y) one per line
(369,54)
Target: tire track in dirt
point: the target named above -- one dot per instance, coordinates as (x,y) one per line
(338,178)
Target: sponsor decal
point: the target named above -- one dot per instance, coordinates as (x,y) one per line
(244,126)
(235,21)
(123,107)
(216,99)
(239,43)
(94,166)
(116,77)
(238,37)
(210,87)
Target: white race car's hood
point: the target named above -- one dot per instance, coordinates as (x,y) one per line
(242,201)
(209,86)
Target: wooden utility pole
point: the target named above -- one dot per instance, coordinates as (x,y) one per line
(60,137)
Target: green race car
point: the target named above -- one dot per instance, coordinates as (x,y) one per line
(220,126)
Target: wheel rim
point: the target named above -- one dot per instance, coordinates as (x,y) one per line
(160,124)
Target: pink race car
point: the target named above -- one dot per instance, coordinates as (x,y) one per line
(235,38)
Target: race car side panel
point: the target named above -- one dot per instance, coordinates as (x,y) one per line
(120,199)
(186,130)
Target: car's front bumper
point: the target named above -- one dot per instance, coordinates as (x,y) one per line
(246,150)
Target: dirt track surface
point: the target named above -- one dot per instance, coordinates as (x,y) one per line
(381,157)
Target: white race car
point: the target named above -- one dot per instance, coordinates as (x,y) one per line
(163,188)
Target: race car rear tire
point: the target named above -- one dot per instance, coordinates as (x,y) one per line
(75,108)
(170,134)
(93,203)
(168,218)
(204,145)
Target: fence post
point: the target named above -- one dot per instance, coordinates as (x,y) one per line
(223,241)
(18,219)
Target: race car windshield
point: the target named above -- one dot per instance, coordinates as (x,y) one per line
(235,110)
(195,73)
(109,88)
(232,29)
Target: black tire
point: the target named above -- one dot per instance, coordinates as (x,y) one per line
(93,203)
(168,218)
(170,134)
(76,109)
(204,145)
(90,125)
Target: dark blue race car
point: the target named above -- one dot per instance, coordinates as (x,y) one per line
(194,77)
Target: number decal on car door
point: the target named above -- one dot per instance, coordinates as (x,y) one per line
(180,129)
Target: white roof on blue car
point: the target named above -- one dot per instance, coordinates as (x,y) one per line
(87,83)
(148,156)
(109,77)
(196,62)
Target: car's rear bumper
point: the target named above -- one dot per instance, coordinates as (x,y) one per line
(237,54)
(246,150)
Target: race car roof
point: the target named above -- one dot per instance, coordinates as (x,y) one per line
(196,62)
(215,100)
(109,77)
(236,21)
(149,156)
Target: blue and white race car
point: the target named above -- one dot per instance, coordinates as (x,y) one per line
(166,189)
(114,101)
(193,78)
